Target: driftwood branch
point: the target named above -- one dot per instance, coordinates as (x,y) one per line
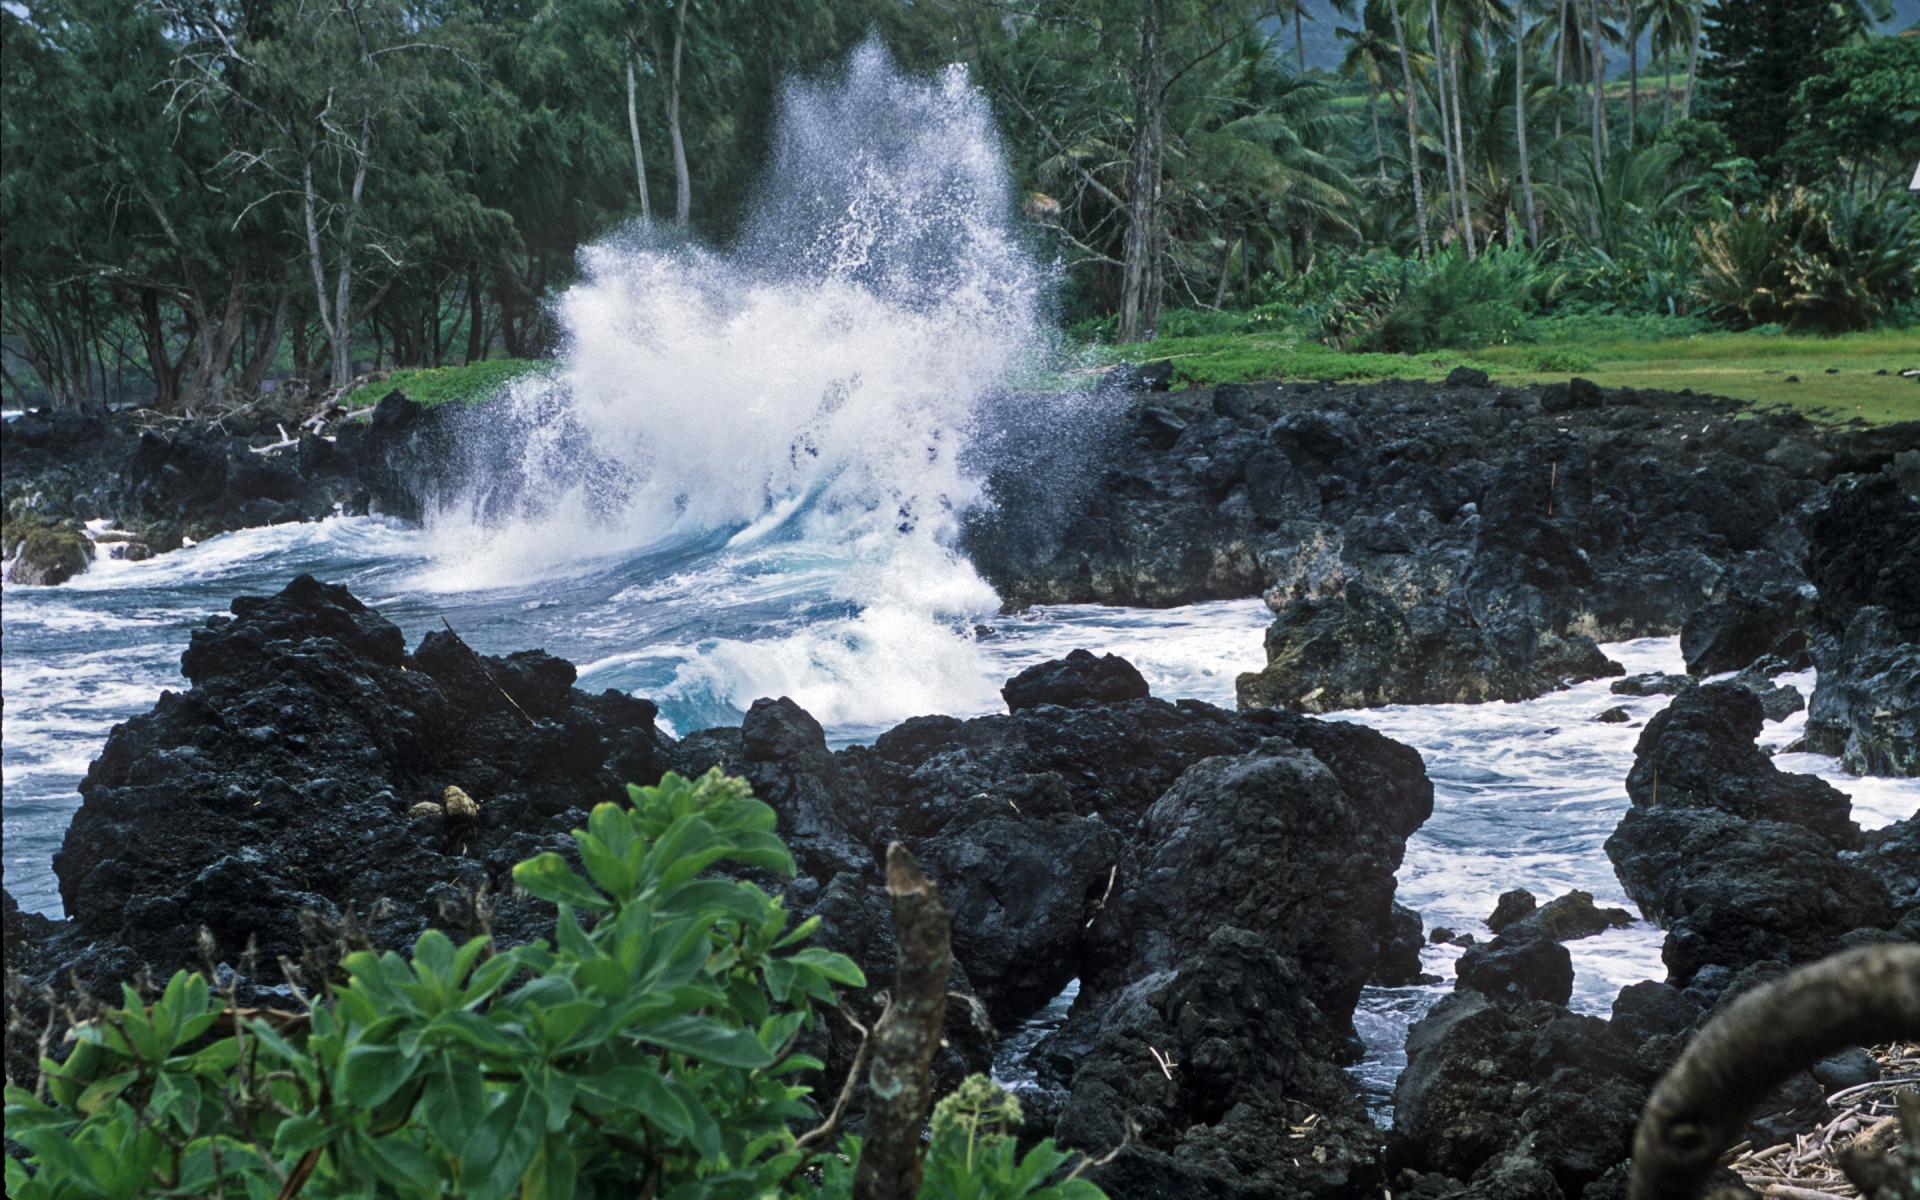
(900,1077)
(816,1139)
(1867,995)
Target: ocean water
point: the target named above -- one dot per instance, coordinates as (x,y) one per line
(744,477)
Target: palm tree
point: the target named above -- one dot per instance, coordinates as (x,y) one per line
(1250,167)
(1633,70)
(1673,24)
(1369,54)
(1520,116)
(1413,128)
(1449,128)
(1599,89)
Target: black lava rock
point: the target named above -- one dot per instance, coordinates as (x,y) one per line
(1077,678)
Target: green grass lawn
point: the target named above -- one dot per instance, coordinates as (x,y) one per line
(1746,366)
(444,385)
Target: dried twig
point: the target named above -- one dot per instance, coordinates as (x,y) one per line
(1859,997)
(810,1142)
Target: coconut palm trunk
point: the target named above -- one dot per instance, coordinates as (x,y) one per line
(1460,156)
(1598,93)
(1413,130)
(1442,96)
(1693,63)
(1633,72)
(1520,117)
(1559,81)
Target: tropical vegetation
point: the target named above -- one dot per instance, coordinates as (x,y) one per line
(203,201)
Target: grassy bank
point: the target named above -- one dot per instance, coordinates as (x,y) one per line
(1754,366)
(444,385)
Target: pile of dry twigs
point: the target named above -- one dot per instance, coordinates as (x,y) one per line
(1865,1115)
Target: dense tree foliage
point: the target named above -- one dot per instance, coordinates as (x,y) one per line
(202,200)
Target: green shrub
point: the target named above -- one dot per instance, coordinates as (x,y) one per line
(1811,261)
(650,1050)
(1561,359)
(469,384)
(1406,306)
(1461,302)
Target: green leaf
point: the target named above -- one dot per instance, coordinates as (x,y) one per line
(475,1031)
(798,933)
(371,1073)
(554,1172)
(433,957)
(708,1040)
(765,851)
(609,870)
(297,1135)
(403,1161)
(489,978)
(640,1088)
(464,961)
(499,1150)
(837,967)
(559,1024)
(99,1093)
(549,877)
(717,896)
(454,1100)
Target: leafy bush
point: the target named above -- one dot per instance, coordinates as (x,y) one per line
(1406,306)
(1463,302)
(650,1050)
(1811,261)
(429,386)
(1560,359)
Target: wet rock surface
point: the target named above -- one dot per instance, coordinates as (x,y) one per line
(1078,677)
(1740,862)
(1422,543)
(161,482)
(1863,556)
(1221,882)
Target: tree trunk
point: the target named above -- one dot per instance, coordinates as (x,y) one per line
(905,1039)
(1139,290)
(268,349)
(1559,82)
(1373,115)
(343,283)
(1441,98)
(1226,272)
(1666,88)
(682,186)
(1460,155)
(633,131)
(1299,37)
(165,372)
(1413,130)
(1600,100)
(1520,117)
(476,318)
(1693,61)
(1599,95)
(1633,80)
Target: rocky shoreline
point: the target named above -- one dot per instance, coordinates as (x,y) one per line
(130,485)
(289,802)
(1463,542)
(1222,883)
